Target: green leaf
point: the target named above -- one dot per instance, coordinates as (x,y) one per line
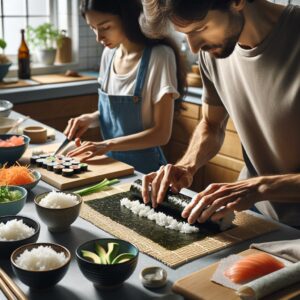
(2,44)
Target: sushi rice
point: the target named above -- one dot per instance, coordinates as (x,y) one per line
(42,258)
(14,230)
(160,218)
(58,200)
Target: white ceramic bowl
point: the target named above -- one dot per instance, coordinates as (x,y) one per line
(6,124)
(5,108)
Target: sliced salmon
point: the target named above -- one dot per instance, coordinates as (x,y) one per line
(253,266)
(12,141)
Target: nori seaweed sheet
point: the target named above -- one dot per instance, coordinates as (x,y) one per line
(170,239)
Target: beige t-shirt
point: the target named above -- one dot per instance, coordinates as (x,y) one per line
(160,80)
(260,89)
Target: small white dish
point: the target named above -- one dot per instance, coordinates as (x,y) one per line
(153,277)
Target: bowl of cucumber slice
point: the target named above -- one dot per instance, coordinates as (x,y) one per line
(12,199)
(107,263)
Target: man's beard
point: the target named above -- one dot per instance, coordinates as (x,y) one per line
(233,34)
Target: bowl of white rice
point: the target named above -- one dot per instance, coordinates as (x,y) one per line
(58,210)
(40,265)
(16,231)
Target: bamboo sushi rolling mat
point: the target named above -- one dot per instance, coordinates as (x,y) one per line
(247,227)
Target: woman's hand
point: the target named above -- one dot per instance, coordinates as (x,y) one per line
(160,181)
(88,150)
(220,198)
(78,126)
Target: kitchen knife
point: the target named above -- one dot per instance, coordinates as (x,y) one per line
(63,145)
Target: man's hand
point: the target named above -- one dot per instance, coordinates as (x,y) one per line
(219,198)
(173,176)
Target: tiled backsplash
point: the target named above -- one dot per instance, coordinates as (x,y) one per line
(90,51)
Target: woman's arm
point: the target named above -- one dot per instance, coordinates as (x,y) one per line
(157,135)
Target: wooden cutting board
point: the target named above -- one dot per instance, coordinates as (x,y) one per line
(59,78)
(100,167)
(197,286)
(20,83)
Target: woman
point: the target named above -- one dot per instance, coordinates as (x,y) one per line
(139,80)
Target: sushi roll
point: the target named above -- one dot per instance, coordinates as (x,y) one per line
(67,159)
(33,159)
(75,162)
(58,169)
(40,162)
(67,172)
(83,167)
(77,169)
(67,164)
(43,156)
(45,164)
(50,158)
(50,166)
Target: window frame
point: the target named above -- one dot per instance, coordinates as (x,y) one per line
(72,21)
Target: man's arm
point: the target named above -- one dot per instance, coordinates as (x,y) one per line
(207,138)
(205,143)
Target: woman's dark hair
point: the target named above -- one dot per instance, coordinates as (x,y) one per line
(129,12)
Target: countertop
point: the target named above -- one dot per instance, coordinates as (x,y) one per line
(74,286)
(60,90)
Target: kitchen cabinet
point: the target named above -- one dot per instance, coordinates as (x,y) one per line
(224,167)
(57,112)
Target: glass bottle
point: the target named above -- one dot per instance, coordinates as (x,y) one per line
(23,59)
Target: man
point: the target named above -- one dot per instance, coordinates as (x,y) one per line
(249,55)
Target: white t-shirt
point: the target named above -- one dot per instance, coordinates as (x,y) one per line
(260,89)
(160,80)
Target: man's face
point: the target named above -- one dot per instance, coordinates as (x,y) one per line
(217,33)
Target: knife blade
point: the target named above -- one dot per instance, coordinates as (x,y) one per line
(63,145)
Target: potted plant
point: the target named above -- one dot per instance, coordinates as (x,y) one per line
(5,63)
(44,39)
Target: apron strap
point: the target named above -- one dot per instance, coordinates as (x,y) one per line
(142,72)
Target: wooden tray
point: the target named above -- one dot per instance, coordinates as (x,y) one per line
(197,286)
(59,78)
(100,167)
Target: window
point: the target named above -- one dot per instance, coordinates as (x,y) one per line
(18,14)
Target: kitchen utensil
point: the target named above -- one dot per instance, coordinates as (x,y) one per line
(62,146)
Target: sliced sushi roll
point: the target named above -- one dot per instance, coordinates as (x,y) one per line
(67,159)
(77,169)
(67,164)
(33,159)
(67,172)
(43,156)
(40,162)
(84,167)
(58,169)
(50,166)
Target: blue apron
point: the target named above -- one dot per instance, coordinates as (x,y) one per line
(121,115)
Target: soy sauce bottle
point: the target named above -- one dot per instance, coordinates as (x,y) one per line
(23,59)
